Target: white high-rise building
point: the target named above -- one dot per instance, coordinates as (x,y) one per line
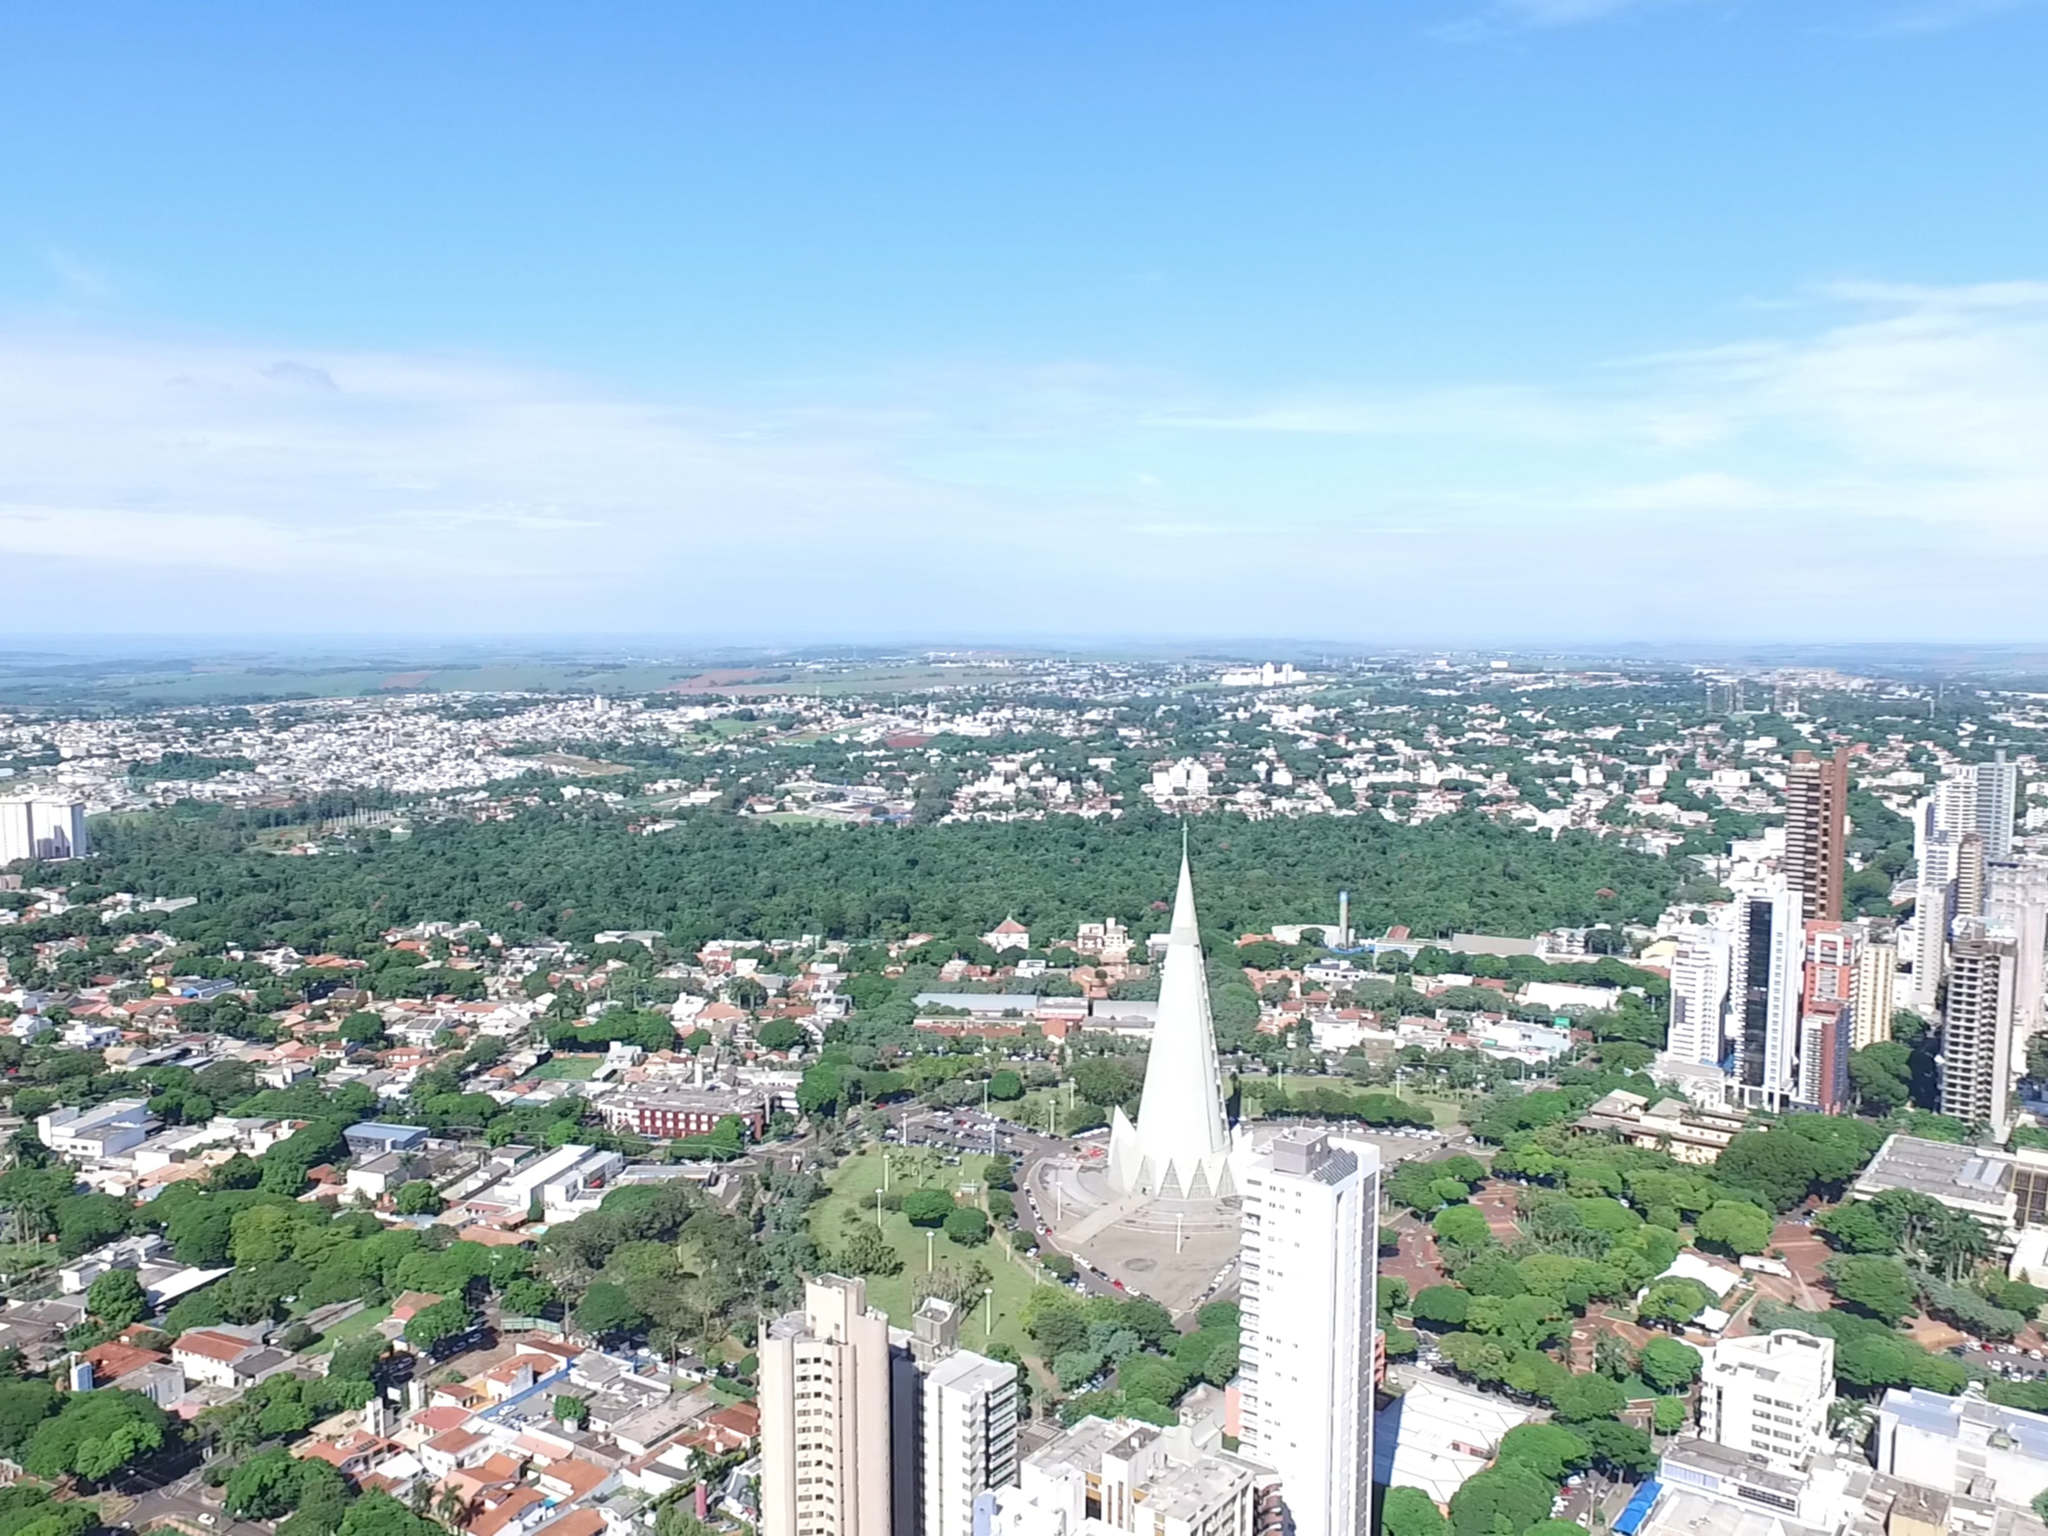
(1934,896)
(1767,960)
(1308,1276)
(1699,997)
(1769,1394)
(1996,789)
(828,1454)
(43,829)
(1181,1145)
(968,1442)
(2016,905)
(1959,830)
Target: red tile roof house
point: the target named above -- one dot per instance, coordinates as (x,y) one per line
(453,1448)
(573,1478)
(578,1522)
(355,1453)
(113,1360)
(224,1359)
(411,1303)
(520,1509)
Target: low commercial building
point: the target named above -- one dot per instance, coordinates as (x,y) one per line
(2005,1191)
(1519,1040)
(560,1184)
(1107,1475)
(1703,1489)
(1701,1085)
(94,1135)
(1437,1435)
(672,1112)
(373,1137)
(1963,1445)
(1696,1136)
(1726,1490)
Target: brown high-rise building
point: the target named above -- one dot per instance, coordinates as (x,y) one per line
(1816,829)
(1976,1034)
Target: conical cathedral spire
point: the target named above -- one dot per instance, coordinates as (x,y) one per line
(1180,1145)
(1183,927)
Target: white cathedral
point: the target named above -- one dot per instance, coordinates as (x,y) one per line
(1181,1146)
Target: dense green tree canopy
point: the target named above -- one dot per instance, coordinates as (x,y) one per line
(714,874)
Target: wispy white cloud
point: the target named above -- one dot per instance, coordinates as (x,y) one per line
(1884,438)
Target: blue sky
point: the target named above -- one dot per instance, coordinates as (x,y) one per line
(1396,320)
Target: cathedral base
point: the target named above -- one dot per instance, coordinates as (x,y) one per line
(1179,1253)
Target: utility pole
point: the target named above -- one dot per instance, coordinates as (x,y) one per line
(878,1210)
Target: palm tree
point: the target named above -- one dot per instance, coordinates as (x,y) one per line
(1955,1243)
(453,1508)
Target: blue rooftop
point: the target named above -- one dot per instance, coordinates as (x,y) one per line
(377,1130)
(1631,1518)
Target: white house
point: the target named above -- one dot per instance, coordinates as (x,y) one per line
(1008,934)
(96,1134)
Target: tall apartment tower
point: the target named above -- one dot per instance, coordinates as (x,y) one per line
(1877,969)
(1827,1016)
(1973,878)
(1997,786)
(827,1452)
(1699,997)
(43,829)
(1977,1028)
(968,1438)
(2016,905)
(1833,951)
(1934,904)
(1816,831)
(1824,1034)
(1309,1292)
(1765,993)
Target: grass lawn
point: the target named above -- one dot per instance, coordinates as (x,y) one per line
(350,1328)
(853,1190)
(557,1068)
(18,1258)
(1447,1111)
